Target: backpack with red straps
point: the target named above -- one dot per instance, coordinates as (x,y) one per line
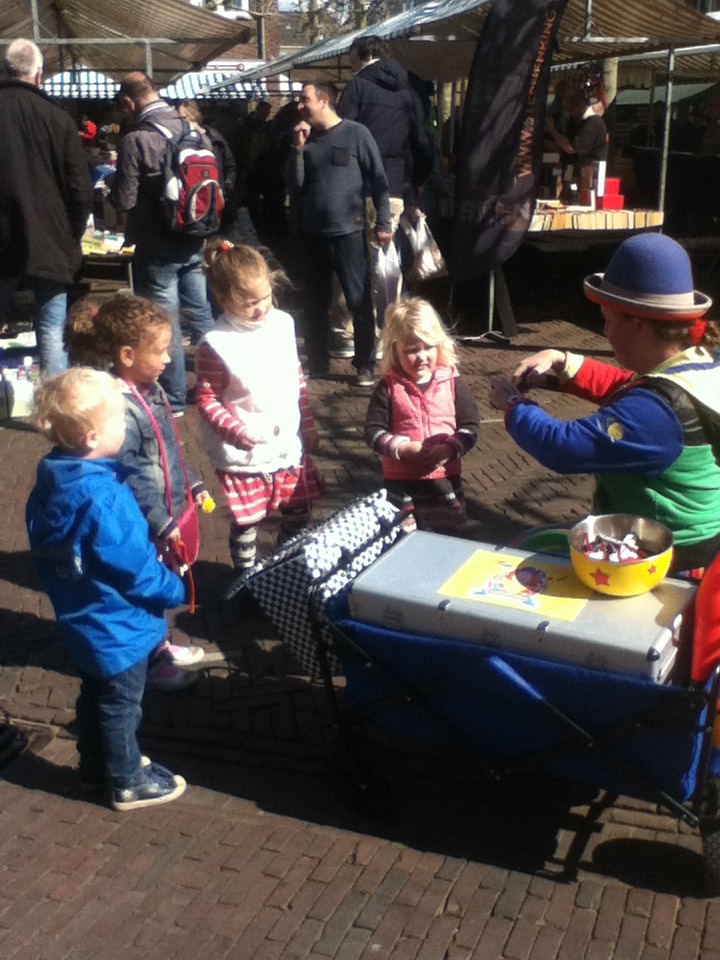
(191,195)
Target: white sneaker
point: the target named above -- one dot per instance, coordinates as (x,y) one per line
(159,786)
(342,346)
(365,377)
(184,656)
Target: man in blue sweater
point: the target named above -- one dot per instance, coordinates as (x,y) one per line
(332,161)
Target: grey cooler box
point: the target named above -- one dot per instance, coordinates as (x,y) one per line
(529,603)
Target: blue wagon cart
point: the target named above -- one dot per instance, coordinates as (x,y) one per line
(502,695)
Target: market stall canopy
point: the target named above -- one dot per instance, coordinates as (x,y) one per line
(198,86)
(698,61)
(180,37)
(91,85)
(684,91)
(436,40)
(80,85)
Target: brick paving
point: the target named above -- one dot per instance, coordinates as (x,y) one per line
(261,858)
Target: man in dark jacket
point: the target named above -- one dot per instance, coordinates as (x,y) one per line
(587,137)
(45,199)
(380,97)
(167,264)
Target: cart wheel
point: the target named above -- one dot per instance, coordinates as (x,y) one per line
(360,785)
(710,835)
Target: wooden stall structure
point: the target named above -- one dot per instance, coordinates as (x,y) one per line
(165,38)
(436,41)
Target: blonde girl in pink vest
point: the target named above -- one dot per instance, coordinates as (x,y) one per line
(422,418)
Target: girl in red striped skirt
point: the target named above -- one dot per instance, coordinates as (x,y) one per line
(251,394)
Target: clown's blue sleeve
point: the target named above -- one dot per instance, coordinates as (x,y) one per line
(637,434)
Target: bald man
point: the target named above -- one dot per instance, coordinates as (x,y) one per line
(45,199)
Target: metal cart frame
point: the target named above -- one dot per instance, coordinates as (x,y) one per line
(508,712)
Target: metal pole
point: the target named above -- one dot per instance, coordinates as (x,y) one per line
(259,17)
(149,60)
(588,17)
(35,20)
(649,129)
(491,300)
(666,131)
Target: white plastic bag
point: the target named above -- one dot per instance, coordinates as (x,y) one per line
(428,261)
(388,271)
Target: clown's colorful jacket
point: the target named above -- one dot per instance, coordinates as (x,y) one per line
(654,444)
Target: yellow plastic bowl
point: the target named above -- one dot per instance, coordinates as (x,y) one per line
(633,577)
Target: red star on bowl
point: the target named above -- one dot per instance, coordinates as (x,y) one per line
(652,569)
(601,579)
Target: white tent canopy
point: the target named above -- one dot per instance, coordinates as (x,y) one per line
(81,85)
(203,85)
(196,85)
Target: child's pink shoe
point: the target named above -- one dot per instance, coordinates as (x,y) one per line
(164,675)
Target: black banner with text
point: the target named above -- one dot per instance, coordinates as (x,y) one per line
(501,135)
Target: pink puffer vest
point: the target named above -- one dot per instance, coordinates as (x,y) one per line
(422,415)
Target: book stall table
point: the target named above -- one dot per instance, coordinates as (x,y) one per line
(573,231)
(106,258)
(554,224)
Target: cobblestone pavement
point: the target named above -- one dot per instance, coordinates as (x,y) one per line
(262,858)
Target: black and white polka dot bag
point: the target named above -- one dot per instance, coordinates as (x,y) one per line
(321,561)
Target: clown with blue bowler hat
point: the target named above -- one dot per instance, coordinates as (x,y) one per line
(654,443)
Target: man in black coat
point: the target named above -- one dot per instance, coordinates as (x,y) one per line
(380,97)
(45,199)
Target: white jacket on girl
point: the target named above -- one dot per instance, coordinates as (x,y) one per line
(263,393)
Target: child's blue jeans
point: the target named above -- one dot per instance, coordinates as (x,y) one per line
(108,713)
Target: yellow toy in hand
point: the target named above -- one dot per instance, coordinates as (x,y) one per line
(208,504)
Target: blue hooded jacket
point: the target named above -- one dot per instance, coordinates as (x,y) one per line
(91,547)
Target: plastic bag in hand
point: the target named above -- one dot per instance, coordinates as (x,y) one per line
(428,261)
(389,279)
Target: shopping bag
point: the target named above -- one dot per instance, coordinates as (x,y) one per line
(428,262)
(388,272)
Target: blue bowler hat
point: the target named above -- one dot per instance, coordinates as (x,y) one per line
(649,276)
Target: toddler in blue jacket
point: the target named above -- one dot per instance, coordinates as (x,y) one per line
(90,544)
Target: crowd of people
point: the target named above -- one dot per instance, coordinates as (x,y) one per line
(115,494)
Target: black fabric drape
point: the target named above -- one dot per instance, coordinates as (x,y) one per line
(500,149)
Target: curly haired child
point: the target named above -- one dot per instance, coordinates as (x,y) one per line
(131,336)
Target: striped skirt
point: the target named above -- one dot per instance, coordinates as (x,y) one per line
(252,497)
